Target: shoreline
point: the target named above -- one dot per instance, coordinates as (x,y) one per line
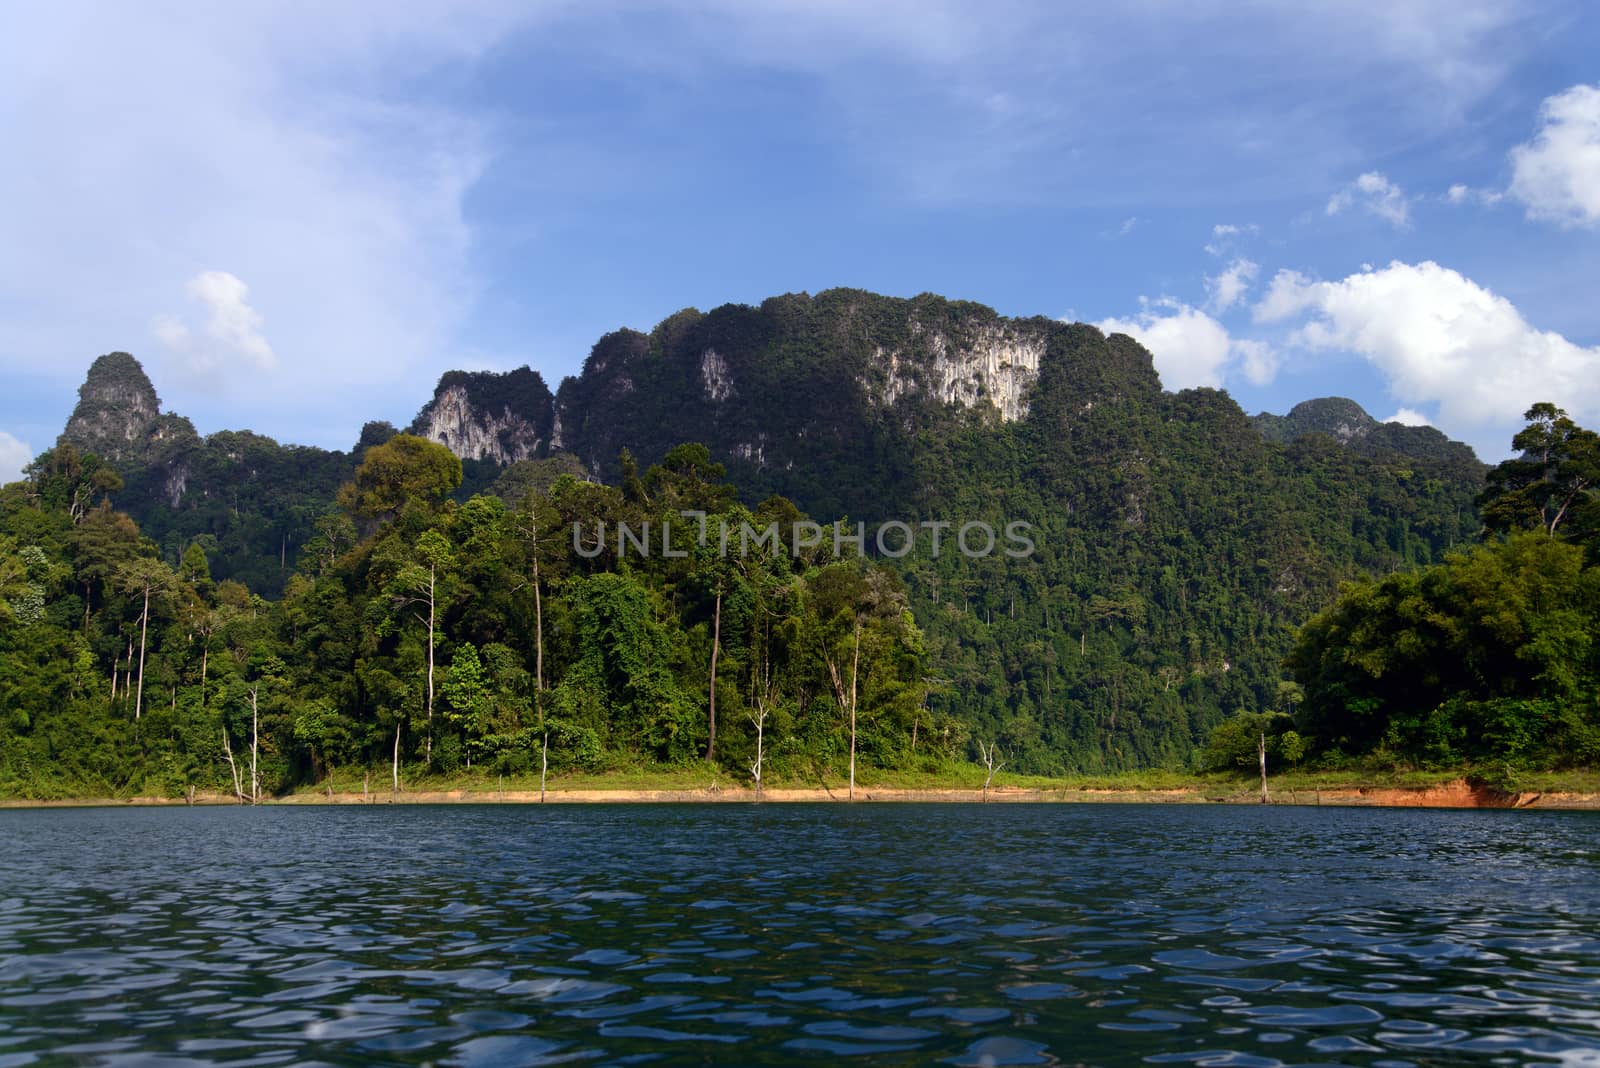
(1458,793)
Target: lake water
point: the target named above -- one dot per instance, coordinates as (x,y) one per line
(881,934)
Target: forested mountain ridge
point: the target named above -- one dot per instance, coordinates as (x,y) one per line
(1179,542)
(846,402)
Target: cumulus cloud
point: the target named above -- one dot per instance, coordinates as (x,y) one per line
(1557,175)
(1189,347)
(232,332)
(1375,194)
(1228,287)
(1409,417)
(14,456)
(1441,340)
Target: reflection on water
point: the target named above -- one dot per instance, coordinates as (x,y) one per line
(969,935)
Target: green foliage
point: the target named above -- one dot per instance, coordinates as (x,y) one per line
(1236,742)
(1553,484)
(1490,655)
(1178,547)
(405,471)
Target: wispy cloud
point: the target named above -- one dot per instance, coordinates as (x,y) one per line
(1375,194)
(255,136)
(1228,287)
(232,333)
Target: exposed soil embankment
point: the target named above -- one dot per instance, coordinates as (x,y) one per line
(1458,793)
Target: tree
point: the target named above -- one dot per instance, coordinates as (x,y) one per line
(145,578)
(405,470)
(987,755)
(15,585)
(415,588)
(466,691)
(102,544)
(1552,480)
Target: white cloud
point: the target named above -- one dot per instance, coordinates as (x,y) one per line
(266,138)
(1557,174)
(324,152)
(232,334)
(1258,360)
(14,456)
(1229,287)
(1189,347)
(1224,235)
(1441,340)
(1375,193)
(1409,417)
(1465,194)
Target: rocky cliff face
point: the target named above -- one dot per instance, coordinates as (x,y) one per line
(483,415)
(982,364)
(117,408)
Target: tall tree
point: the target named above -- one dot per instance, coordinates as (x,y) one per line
(146,579)
(1553,479)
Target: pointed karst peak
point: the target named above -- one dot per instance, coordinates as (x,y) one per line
(116,406)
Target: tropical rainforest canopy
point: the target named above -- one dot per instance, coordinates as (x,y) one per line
(231,614)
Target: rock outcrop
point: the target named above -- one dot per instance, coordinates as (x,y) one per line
(986,363)
(117,409)
(484,415)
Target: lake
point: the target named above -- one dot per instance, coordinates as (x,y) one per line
(486,935)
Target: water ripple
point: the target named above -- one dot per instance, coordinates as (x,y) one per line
(968,935)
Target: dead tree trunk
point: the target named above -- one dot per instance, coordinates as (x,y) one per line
(255,748)
(1261,750)
(847,702)
(144,625)
(396,759)
(716,643)
(759,718)
(855,661)
(988,756)
(544,765)
(238,791)
(428,745)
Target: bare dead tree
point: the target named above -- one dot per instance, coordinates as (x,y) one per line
(227,749)
(531,532)
(716,647)
(988,755)
(1261,750)
(255,747)
(848,705)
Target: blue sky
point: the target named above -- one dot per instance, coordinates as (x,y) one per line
(298,214)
